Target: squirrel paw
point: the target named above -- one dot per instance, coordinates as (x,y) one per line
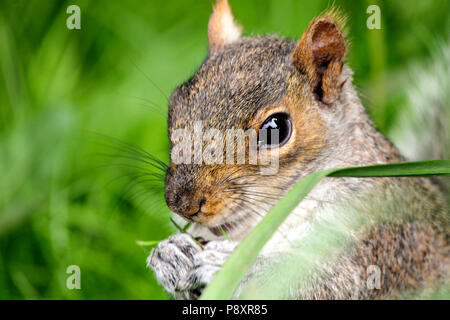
(206,264)
(184,268)
(172,259)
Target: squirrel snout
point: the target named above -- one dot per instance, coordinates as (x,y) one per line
(184,202)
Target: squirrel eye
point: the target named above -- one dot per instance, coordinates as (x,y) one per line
(267,135)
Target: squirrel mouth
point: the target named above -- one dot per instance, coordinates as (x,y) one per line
(217,231)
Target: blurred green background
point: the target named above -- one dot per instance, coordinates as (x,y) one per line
(67,195)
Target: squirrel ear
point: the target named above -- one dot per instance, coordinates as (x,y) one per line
(222,29)
(320,54)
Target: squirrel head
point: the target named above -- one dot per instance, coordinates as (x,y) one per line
(252,83)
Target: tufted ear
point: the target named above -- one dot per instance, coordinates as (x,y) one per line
(320,54)
(222,29)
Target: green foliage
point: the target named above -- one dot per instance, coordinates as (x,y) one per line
(67,195)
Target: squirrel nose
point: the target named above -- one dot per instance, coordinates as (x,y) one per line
(184,204)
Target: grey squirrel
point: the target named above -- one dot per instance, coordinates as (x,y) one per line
(303,90)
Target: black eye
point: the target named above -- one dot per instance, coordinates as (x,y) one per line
(267,136)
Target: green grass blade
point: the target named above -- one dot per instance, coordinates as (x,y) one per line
(402,169)
(147,243)
(228,278)
(225,235)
